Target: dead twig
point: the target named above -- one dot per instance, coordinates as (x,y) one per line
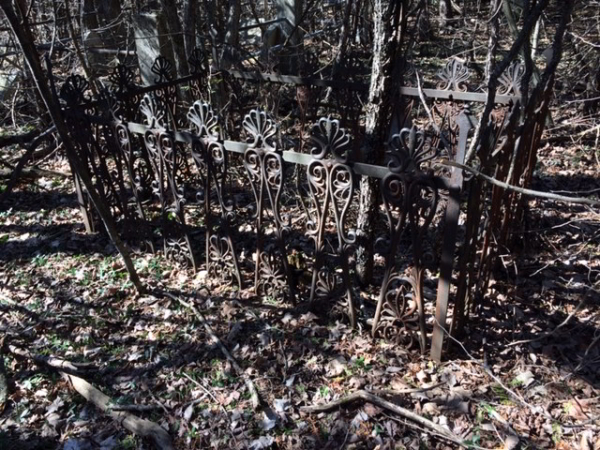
(207,392)
(50,361)
(141,427)
(134,408)
(385,404)
(524,191)
(392,392)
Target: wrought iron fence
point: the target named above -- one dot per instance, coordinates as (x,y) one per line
(153,156)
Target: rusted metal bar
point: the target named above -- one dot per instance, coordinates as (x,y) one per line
(448,247)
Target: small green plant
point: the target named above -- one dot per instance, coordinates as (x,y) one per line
(324,431)
(474,440)
(324,391)
(60,344)
(482,410)
(501,395)
(128,442)
(33,382)
(270,300)
(556,433)
(515,382)
(360,363)
(40,260)
(193,433)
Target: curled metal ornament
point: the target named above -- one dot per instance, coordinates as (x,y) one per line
(265,170)
(454,76)
(198,63)
(122,78)
(168,163)
(408,151)
(410,199)
(179,250)
(511,79)
(272,277)
(331,188)
(73,90)
(138,173)
(163,68)
(261,129)
(210,159)
(328,283)
(329,139)
(153,113)
(222,259)
(202,117)
(400,319)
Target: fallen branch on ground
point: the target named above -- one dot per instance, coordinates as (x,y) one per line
(249,384)
(382,403)
(405,391)
(50,361)
(136,408)
(22,138)
(141,427)
(520,190)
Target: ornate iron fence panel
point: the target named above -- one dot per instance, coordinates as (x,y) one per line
(265,169)
(331,186)
(167,163)
(410,198)
(210,158)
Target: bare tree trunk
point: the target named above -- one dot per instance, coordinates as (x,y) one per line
(389,27)
(445,12)
(232,34)
(176,31)
(23,36)
(190,14)
(89,19)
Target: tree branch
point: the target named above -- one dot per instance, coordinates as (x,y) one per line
(524,191)
(378,401)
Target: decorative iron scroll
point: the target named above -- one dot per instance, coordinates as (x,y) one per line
(124,90)
(199,66)
(454,76)
(511,79)
(265,169)
(410,198)
(331,186)
(210,158)
(166,95)
(139,176)
(166,161)
(128,173)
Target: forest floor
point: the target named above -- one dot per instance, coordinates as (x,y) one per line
(528,374)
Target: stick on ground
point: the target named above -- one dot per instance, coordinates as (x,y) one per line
(392,407)
(141,427)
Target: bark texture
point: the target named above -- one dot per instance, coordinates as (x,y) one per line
(388,31)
